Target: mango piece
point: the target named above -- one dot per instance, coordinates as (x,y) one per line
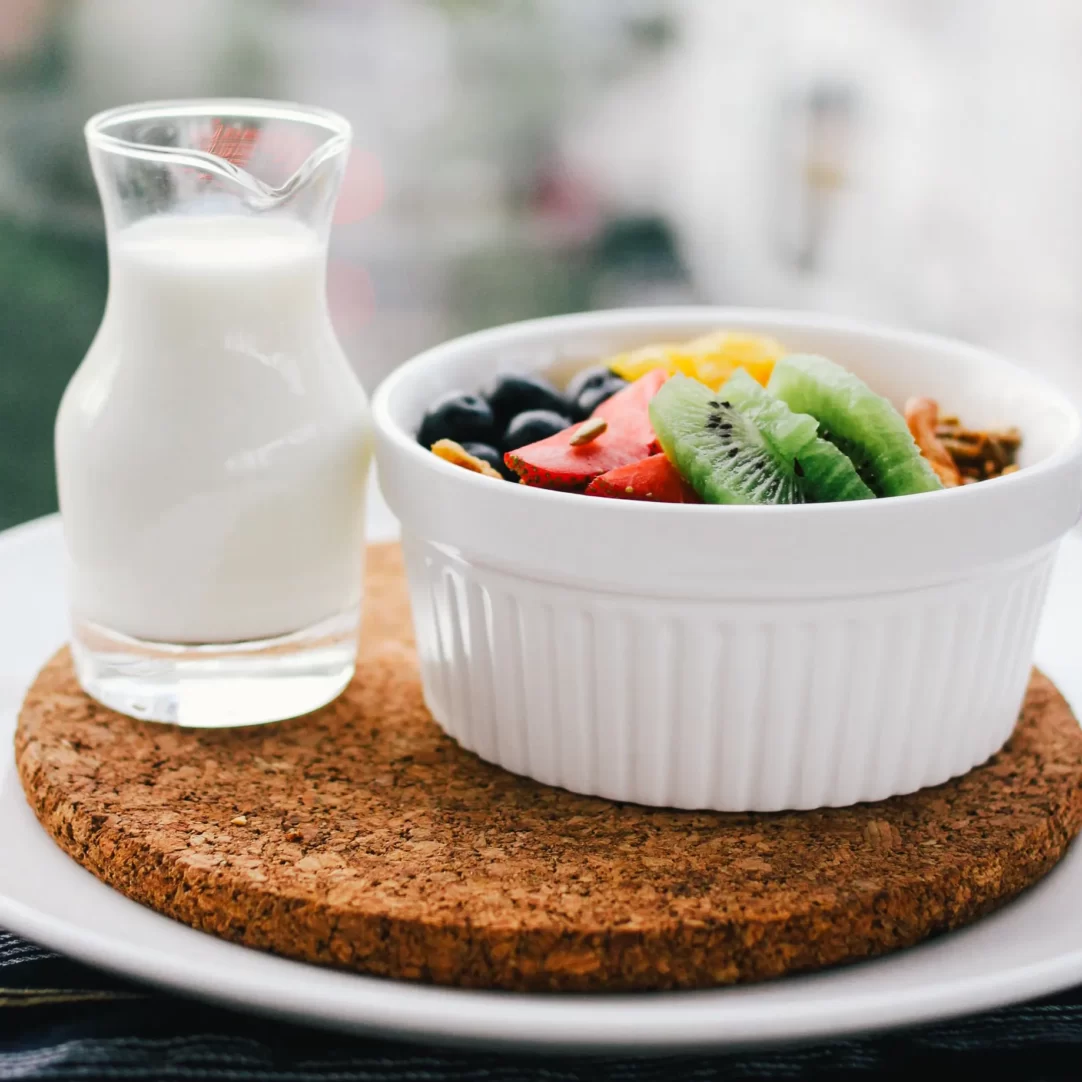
(711,359)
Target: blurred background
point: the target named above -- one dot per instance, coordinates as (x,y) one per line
(911,161)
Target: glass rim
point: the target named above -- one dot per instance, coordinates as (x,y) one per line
(338,129)
(97,127)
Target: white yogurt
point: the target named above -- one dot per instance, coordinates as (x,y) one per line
(213,447)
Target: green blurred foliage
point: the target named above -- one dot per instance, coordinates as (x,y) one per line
(53,289)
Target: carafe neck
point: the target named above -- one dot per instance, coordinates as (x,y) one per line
(218,158)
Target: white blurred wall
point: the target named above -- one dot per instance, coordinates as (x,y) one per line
(946,195)
(959,202)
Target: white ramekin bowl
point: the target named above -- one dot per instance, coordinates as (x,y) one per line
(733,658)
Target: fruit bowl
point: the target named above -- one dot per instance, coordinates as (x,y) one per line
(736,658)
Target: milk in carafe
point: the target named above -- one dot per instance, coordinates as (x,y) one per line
(214,444)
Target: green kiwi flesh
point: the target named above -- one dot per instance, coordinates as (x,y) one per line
(860,423)
(718,449)
(825,474)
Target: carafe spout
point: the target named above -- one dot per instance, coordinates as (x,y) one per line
(218,157)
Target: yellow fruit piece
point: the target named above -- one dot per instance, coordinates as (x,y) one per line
(638,362)
(719,355)
(711,359)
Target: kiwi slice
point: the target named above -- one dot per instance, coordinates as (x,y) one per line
(825,474)
(718,449)
(860,423)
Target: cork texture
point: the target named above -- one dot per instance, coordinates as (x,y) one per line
(361,837)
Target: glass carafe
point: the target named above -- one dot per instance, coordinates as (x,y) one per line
(213,447)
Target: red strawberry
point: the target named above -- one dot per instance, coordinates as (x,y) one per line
(629,409)
(654,478)
(554,463)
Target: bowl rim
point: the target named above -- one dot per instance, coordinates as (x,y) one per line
(645,317)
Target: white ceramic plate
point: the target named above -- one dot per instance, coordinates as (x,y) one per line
(1032,947)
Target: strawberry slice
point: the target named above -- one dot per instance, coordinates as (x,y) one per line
(554,463)
(654,478)
(629,410)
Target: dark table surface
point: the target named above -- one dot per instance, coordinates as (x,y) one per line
(62,1020)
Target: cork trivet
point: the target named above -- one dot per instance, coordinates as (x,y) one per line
(361,837)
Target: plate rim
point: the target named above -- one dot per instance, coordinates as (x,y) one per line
(434,1024)
(586,1024)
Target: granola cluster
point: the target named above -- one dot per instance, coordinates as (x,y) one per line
(960,455)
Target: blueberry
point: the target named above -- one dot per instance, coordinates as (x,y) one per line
(587,378)
(533,425)
(457,416)
(592,397)
(509,395)
(487,453)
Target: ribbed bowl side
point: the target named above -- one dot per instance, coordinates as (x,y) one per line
(732,706)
